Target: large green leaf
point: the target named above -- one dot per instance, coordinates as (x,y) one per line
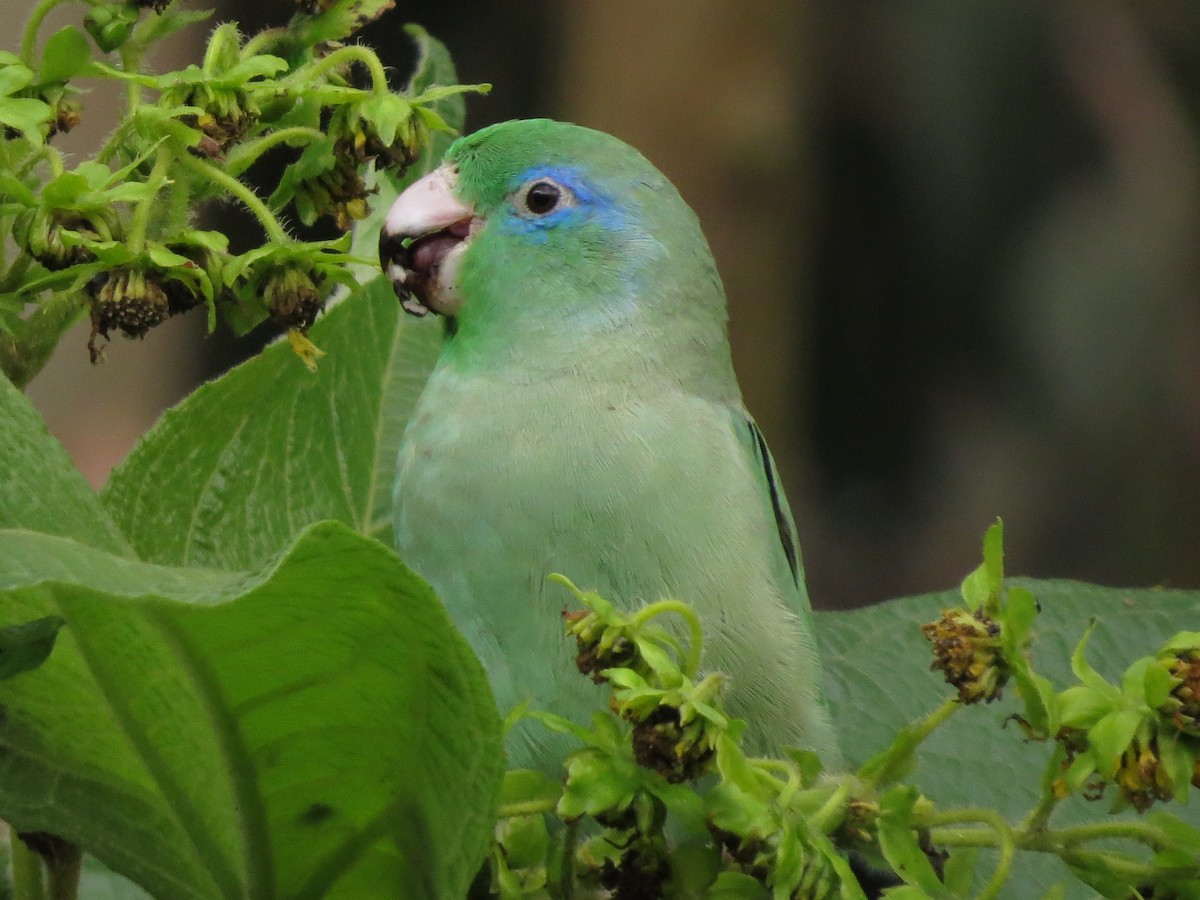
(246,462)
(314,728)
(878,678)
(40,488)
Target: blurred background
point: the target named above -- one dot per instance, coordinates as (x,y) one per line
(959,242)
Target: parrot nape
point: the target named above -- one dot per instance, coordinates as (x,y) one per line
(584,418)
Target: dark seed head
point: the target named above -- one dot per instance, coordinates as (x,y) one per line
(657,745)
(129,300)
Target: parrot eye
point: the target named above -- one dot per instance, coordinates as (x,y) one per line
(543,197)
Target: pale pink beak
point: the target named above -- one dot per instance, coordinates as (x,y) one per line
(422,243)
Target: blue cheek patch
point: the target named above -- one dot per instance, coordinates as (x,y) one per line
(593,214)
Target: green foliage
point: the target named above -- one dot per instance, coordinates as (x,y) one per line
(279,732)
(38,481)
(218,681)
(26,646)
(981,758)
(286,712)
(940,787)
(243,464)
(116,236)
(313,723)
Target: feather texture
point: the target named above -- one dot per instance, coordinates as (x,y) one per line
(584,418)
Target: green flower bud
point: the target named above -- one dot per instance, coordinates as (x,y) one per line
(338,191)
(41,233)
(110,24)
(293,297)
(603,641)
(227,115)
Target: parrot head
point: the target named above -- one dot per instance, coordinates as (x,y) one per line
(543,227)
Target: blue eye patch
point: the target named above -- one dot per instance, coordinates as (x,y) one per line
(583,203)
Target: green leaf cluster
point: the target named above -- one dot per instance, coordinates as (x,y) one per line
(947,808)
(116,236)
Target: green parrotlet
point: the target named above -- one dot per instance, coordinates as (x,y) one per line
(584,418)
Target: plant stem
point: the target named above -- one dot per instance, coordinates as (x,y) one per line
(1077,834)
(52,158)
(1060,842)
(963,837)
(787,789)
(136,236)
(131,60)
(1003,840)
(695,632)
(567,876)
(1040,814)
(1128,868)
(247,154)
(178,206)
(65,872)
(32,25)
(881,768)
(115,141)
(351,53)
(830,807)
(246,196)
(262,40)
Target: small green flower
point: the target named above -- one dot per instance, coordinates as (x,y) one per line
(1134,736)
(675,728)
(859,825)
(294,296)
(203,253)
(287,282)
(73,215)
(223,92)
(67,114)
(385,127)
(604,639)
(766,843)
(339,192)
